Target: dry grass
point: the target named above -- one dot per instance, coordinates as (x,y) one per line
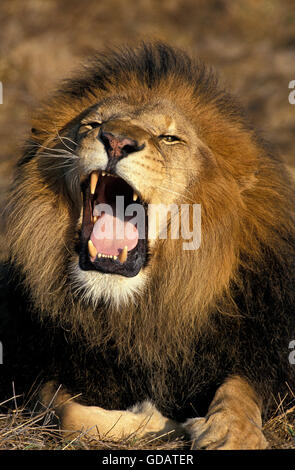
(280,428)
(39,430)
(250,43)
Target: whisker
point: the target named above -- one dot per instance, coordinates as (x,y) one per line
(57,150)
(45,131)
(69,172)
(175,192)
(62,161)
(61,139)
(66,156)
(69,139)
(61,167)
(40,146)
(180,168)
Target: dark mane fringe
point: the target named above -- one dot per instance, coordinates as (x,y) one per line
(150,63)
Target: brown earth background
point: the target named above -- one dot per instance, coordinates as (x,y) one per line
(250,42)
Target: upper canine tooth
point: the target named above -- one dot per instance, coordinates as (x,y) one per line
(92,250)
(103,173)
(123,255)
(135,196)
(93,181)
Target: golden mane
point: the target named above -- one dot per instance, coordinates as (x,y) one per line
(247,214)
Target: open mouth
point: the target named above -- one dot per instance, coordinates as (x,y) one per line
(114,227)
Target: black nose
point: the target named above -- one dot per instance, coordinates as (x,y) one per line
(119,146)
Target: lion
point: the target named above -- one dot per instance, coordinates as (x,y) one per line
(138,332)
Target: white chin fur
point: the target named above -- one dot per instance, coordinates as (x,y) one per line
(94,286)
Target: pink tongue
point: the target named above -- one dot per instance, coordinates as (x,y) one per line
(111,234)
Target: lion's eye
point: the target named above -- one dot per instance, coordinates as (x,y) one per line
(169,139)
(89,125)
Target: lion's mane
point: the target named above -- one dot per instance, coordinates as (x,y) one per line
(244,266)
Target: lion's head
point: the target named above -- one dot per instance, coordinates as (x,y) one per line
(153,126)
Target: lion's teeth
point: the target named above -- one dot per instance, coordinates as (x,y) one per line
(135,196)
(123,255)
(103,173)
(95,218)
(92,250)
(93,181)
(102,255)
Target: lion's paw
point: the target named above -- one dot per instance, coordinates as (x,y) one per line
(224,431)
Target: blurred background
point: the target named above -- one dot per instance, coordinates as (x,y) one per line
(250,42)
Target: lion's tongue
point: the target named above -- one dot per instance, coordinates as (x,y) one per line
(111,234)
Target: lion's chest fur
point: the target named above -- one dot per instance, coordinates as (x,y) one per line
(36,351)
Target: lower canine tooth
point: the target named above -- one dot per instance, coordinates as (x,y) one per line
(135,196)
(92,250)
(123,255)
